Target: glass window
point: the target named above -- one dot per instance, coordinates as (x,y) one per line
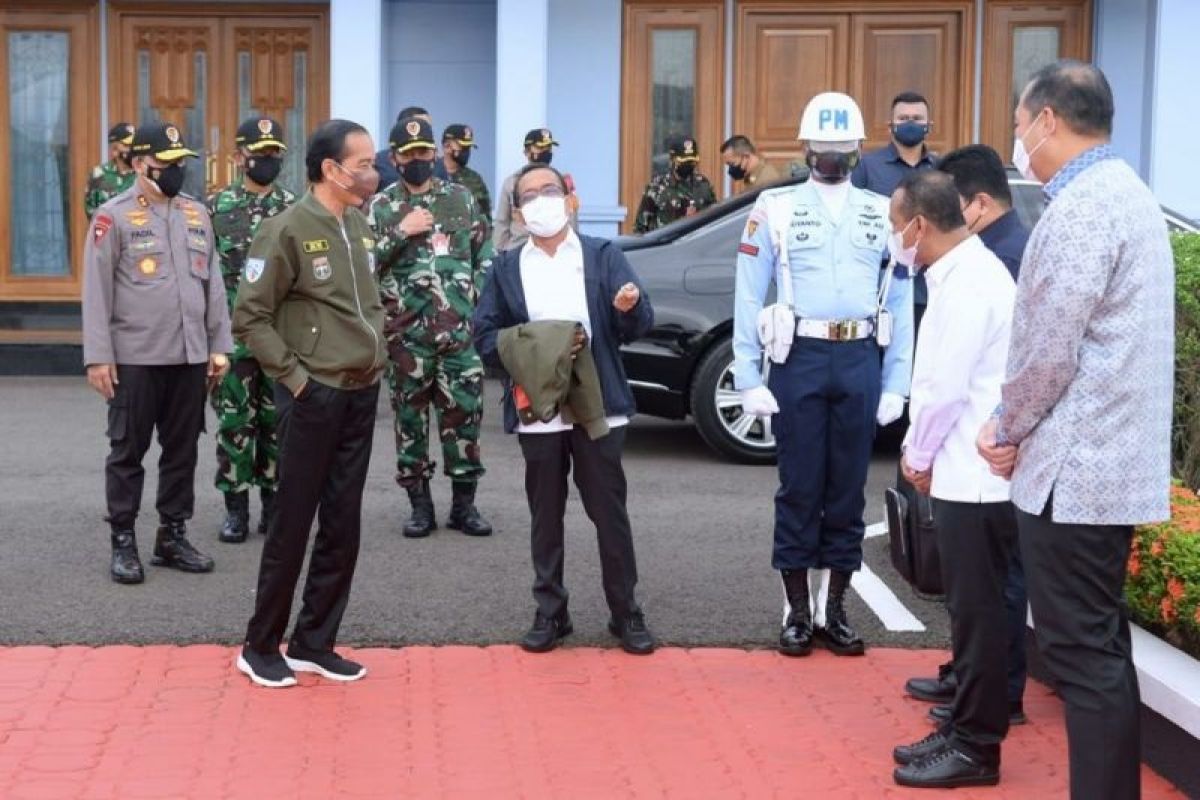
(195,131)
(39,160)
(294,118)
(673,89)
(1033,48)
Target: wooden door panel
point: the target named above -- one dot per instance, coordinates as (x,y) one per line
(702,23)
(784,60)
(893,53)
(1018,39)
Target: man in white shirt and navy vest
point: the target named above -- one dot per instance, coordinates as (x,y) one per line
(957,374)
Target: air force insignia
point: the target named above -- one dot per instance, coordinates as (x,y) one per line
(316,246)
(321,269)
(254,269)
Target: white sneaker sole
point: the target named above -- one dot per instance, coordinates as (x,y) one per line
(297,665)
(244,667)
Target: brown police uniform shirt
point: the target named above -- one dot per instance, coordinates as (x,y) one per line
(152,288)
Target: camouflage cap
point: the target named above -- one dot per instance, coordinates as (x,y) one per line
(259,133)
(161,140)
(683,148)
(411,133)
(121,132)
(540,137)
(459,133)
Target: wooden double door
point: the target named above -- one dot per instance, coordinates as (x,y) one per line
(681,62)
(206,69)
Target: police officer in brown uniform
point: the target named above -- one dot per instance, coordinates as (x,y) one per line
(155,331)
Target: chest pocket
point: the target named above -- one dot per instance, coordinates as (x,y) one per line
(197,253)
(233,226)
(807,233)
(868,233)
(146,261)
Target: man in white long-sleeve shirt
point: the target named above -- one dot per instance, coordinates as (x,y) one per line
(957,374)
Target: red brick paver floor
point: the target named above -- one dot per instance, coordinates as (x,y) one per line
(179,722)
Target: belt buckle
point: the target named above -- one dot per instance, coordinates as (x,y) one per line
(841,330)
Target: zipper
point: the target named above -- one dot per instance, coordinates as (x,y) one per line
(357,299)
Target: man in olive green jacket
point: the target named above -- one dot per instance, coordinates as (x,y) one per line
(308,310)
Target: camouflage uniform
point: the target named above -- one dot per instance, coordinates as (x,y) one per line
(429,285)
(473,181)
(244,400)
(667,199)
(105,183)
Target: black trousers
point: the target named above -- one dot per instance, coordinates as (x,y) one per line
(171,399)
(325,439)
(601,481)
(976,541)
(1081,624)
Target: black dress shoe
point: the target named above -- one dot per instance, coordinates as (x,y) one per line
(940,715)
(125,566)
(935,690)
(908,753)
(172,549)
(949,768)
(545,633)
(635,638)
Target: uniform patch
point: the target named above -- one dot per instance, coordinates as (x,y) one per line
(751,227)
(198,242)
(321,269)
(141,247)
(368,243)
(254,269)
(142,201)
(138,218)
(100,226)
(141,233)
(316,246)
(148,265)
(748,249)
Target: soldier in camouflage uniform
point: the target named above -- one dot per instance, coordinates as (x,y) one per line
(432,255)
(679,192)
(244,400)
(114,176)
(457,143)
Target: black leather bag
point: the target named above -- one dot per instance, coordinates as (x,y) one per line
(912,538)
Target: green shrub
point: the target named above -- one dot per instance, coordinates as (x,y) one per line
(1185,437)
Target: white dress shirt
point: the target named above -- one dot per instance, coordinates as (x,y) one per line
(958,371)
(555,290)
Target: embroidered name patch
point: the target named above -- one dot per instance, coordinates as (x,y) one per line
(316,246)
(748,249)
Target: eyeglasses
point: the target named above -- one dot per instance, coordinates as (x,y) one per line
(549,190)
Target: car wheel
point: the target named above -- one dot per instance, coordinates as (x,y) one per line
(717,409)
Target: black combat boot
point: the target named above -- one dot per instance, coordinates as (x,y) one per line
(236,526)
(796,638)
(837,634)
(268,510)
(463,514)
(422,521)
(172,549)
(126,567)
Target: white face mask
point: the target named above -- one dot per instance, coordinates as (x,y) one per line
(545,216)
(1021,158)
(905,256)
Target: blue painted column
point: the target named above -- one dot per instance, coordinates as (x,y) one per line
(1174,169)
(356,64)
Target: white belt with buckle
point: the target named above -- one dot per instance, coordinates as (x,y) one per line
(845,330)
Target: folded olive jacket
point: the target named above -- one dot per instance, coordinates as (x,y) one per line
(538,357)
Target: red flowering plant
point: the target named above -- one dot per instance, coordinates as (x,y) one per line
(1163,582)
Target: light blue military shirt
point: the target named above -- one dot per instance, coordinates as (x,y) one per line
(835,275)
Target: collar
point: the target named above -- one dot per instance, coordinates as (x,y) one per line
(569,244)
(1075,167)
(937,272)
(1001,226)
(894,156)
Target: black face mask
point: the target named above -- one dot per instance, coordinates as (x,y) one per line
(543,157)
(736,172)
(910,134)
(126,158)
(169,180)
(263,170)
(831,167)
(461,157)
(685,171)
(417,172)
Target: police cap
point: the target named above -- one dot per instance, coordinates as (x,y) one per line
(161,140)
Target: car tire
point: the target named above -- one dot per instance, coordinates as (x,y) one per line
(717,411)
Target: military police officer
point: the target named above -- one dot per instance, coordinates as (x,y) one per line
(457,143)
(821,242)
(679,192)
(113,176)
(247,450)
(432,254)
(155,330)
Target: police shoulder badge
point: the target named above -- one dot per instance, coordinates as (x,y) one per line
(100,227)
(254,269)
(321,269)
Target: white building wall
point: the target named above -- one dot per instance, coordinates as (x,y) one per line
(1174,115)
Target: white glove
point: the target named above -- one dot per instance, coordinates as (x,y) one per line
(891,406)
(759,401)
